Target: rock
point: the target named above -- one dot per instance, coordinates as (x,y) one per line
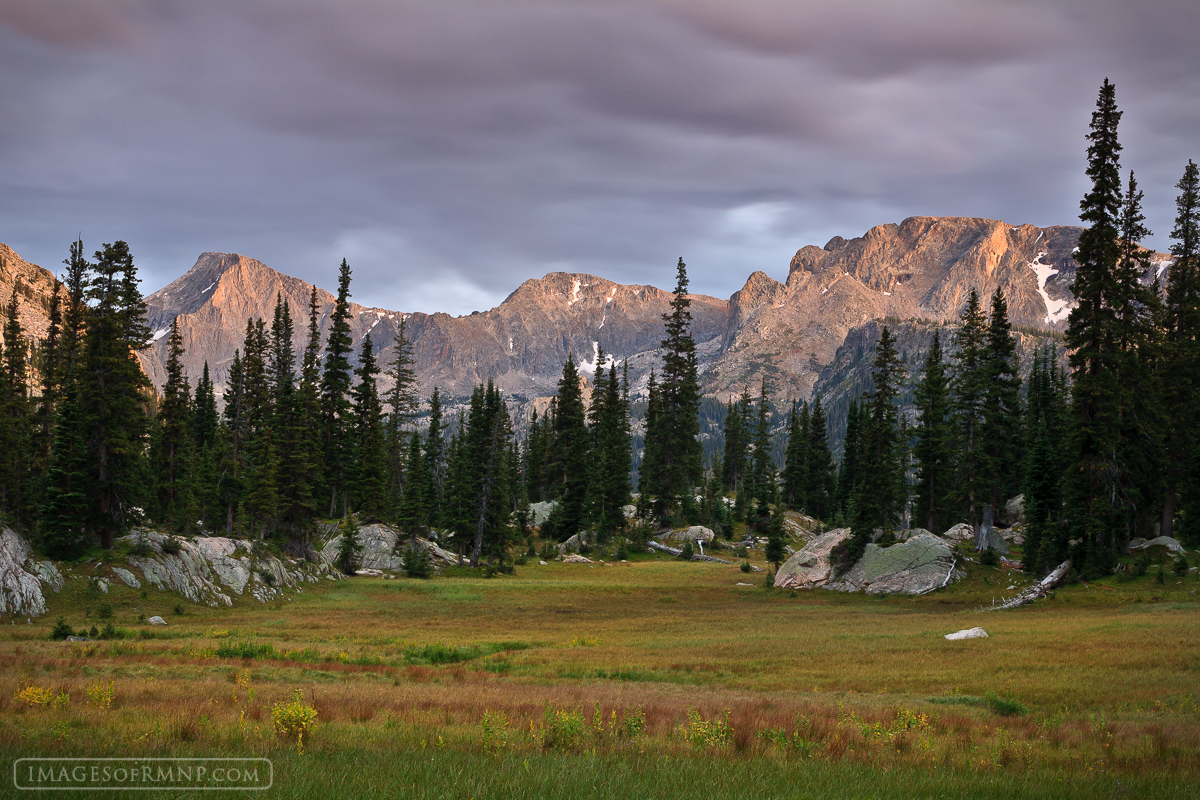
(21,577)
(575,558)
(800,525)
(1014,511)
(127,577)
(811,566)
(382,548)
(541,563)
(156,621)
(962,532)
(919,565)
(80,638)
(577,542)
(696,533)
(629,511)
(1172,545)
(969,633)
(908,533)
(540,512)
(1014,534)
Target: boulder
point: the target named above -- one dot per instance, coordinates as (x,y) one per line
(1014,511)
(575,558)
(22,577)
(577,542)
(540,512)
(812,565)
(962,532)
(382,548)
(156,621)
(127,577)
(969,633)
(801,526)
(696,533)
(921,564)
(908,533)
(1172,545)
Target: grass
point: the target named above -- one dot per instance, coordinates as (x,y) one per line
(861,696)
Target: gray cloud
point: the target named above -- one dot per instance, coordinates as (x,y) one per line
(451,150)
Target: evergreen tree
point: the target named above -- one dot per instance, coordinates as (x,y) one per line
(762,468)
(260,500)
(851,452)
(205,438)
(671,464)
(176,503)
(489,434)
(435,454)
(310,420)
(368,467)
(64,513)
(414,505)
(737,445)
(999,441)
(16,435)
(1180,364)
(610,452)
(934,441)
(291,432)
(1045,543)
(231,485)
(820,483)
(111,390)
(402,408)
(969,388)
(335,401)
(570,456)
(51,384)
(878,498)
(349,556)
(795,462)
(776,538)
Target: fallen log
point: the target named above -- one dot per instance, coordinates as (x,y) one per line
(675,551)
(1039,589)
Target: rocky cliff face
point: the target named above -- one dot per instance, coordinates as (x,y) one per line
(922,269)
(34,287)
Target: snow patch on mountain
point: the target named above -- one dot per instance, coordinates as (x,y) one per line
(1056,310)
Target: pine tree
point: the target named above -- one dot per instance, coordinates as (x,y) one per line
(64,513)
(762,468)
(999,441)
(820,483)
(435,454)
(51,370)
(489,433)
(309,406)
(111,390)
(610,453)
(1045,544)
(172,466)
(878,498)
(934,441)
(297,505)
(570,456)
(233,430)
(1180,364)
(1094,477)
(260,500)
(16,435)
(335,402)
(368,467)
(851,453)
(349,556)
(205,438)
(737,446)
(795,466)
(414,505)
(968,387)
(776,538)
(672,464)
(402,408)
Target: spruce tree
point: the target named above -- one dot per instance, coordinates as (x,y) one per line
(999,442)
(1045,544)
(672,462)
(367,473)
(65,512)
(414,505)
(111,391)
(820,481)
(232,432)
(795,466)
(335,400)
(762,468)
(737,446)
(776,538)
(260,501)
(570,456)
(934,441)
(291,433)
(402,408)
(851,452)
(968,386)
(172,464)
(435,454)
(610,452)
(16,434)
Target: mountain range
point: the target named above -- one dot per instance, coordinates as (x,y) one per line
(920,271)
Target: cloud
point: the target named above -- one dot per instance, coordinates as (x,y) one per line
(451,150)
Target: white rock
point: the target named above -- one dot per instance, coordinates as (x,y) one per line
(156,621)
(575,558)
(1172,545)
(127,577)
(20,585)
(969,633)
(962,532)
(542,563)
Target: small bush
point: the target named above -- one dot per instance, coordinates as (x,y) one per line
(548,552)
(140,547)
(101,696)
(34,696)
(562,729)
(178,609)
(1004,706)
(108,631)
(701,733)
(170,545)
(416,563)
(294,719)
(245,650)
(742,552)
(93,633)
(1161,577)
(61,630)
(622,554)
(745,566)
(105,611)
(688,551)
(496,733)
(1180,567)
(1142,565)
(989,558)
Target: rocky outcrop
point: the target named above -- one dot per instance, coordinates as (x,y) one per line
(382,548)
(962,532)
(22,578)
(1166,542)
(696,533)
(812,565)
(919,565)
(212,570)
(969,633)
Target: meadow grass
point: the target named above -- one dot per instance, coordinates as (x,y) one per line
(827,694)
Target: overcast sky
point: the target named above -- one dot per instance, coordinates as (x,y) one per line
(450,149)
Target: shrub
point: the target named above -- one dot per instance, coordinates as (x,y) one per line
(1004,706)
(140,547)
(622,554)
(105,611)
(170,545)
(745,566)
(34,696)
(1142,565)
(742,552)
(178,609)
(416,563)
(1181,567)
(1161,577)
(989,558)
(561,729)
(495,732)
(108,631)
(701,733)
(548,552)
(101,696)
(61,630)
(93,633)
(349,555)
(688,551)
(294,719)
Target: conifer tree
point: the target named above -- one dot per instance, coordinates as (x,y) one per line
(570,456)
(795,466)
(368,466)
(15,430)
(672,463)
(489,433)
(968,386)
(335,401)
(172,463)
(310,420)
(51,384)
(1180,364)
(999,442)
(414,505)
(402,408)
(820,483)
(878,498)
(610,452)
(776,538)
(260,500)
(205,438)
(934,441)
(111,390)
(762,468)
(851,451)
(64,513)
(349,556)
(1045,543)
(435,455)
(233,431)
(737,445)
(291,432)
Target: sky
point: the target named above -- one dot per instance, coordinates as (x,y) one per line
(452,149)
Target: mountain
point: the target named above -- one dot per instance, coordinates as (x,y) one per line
(789,333)
(34,287)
